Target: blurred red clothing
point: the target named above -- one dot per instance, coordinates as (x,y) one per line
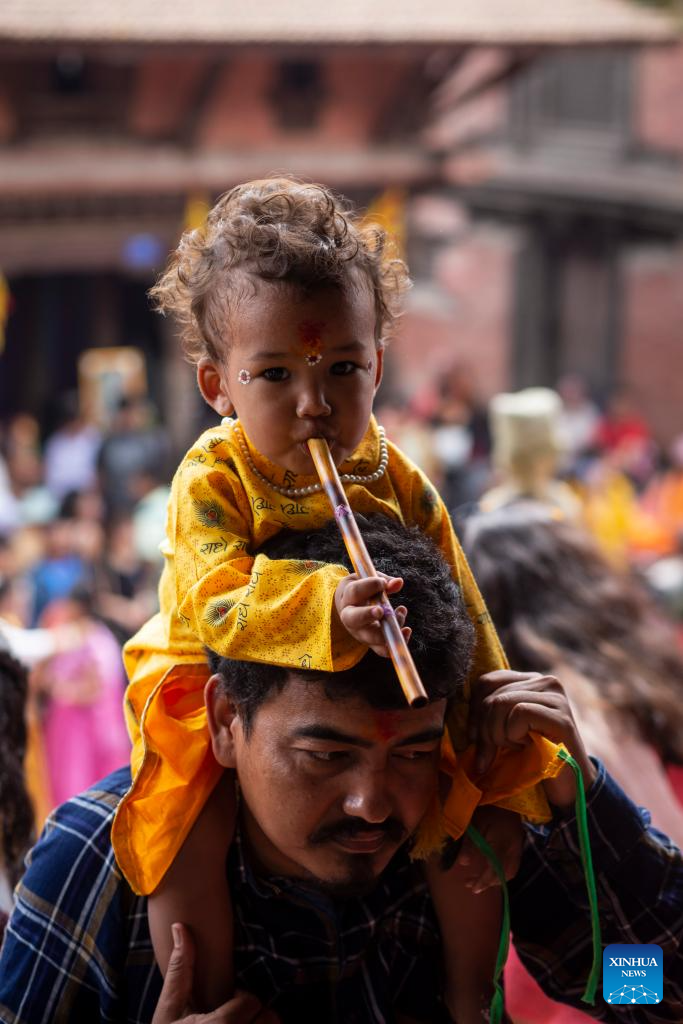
(614,431)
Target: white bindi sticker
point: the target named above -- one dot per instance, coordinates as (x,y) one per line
(244,376)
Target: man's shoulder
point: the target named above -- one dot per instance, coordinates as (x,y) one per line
(79,830)
(99,800)
(77,945)
(73,856)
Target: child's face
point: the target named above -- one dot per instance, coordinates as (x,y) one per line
(298,366)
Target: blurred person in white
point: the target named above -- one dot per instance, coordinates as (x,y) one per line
(577,421)
(526,451)
(561,608)
(30,646)
(9,506)
(662,503)
(70,454)
(149,515)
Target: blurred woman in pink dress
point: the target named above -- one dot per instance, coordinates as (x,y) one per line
(83,725)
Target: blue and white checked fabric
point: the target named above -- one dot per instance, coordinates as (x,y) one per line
(78,949)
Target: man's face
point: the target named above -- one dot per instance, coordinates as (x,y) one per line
(332,788)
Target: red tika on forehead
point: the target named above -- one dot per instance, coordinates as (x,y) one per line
(311,342)
(384,722)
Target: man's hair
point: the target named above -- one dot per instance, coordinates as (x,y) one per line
(442,639)
(275,229)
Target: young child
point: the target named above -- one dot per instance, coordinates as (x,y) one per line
(285,302)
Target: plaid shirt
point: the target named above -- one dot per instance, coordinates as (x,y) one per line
(78,948)
(639,878)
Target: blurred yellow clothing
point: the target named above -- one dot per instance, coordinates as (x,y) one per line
(216,593)
(613,514)
(35,767)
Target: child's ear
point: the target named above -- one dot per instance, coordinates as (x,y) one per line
(221,717)
(380,365)
(213,388)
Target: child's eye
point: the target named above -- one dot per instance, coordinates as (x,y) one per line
(344,368)
(276,373)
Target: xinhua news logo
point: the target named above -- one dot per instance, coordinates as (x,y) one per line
(632,974)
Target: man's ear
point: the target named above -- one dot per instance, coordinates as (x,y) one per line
(213,387)
(222,718)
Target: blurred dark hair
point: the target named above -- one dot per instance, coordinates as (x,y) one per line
(16,812)
(554,597)
(442,639)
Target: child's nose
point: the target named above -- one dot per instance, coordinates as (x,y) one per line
(312,402)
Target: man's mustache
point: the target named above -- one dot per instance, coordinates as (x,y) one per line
(352,828)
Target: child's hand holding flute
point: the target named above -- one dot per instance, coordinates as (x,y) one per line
(360,619)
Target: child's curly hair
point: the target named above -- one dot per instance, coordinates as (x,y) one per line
(276,229)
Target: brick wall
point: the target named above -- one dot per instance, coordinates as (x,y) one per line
(652,335)
(464,314)
(658,86)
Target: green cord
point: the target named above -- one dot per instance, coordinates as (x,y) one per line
(498,1002)
(587,862)
(497,1006)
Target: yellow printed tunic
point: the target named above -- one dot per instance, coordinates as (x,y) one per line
(216,592)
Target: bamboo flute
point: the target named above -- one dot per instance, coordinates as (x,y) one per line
(401,657)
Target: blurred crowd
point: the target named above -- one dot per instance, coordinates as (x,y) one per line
(82,513)
(599,465)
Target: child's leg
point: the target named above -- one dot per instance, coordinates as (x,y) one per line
(468,903)
(194,892)
(470,932)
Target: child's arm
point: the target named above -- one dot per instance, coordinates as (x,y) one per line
(470,932)
(194,892)
(468,905)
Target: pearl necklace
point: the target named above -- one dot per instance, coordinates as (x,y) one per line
(300,492)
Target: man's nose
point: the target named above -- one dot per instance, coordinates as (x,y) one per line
(369,798)
(312,401)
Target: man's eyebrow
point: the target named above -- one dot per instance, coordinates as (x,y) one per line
(324,732)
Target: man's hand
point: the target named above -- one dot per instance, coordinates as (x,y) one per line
(176,993)
(362,620)
(506,706)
